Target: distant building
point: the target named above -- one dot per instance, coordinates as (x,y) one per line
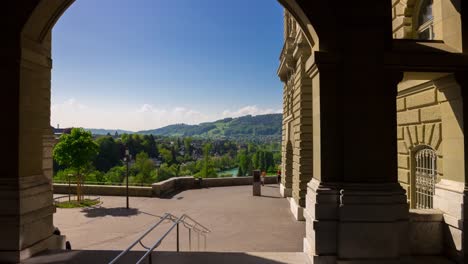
(60,131)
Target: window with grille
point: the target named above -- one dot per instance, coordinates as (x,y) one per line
(425,178)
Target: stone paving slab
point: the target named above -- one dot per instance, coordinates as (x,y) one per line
(239,221)
(92,257)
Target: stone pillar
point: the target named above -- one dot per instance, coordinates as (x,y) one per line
(285,72)
(26,196)
(302,112)
(286,170)
(9,182)
(356,210)
(454,196)
(322,200)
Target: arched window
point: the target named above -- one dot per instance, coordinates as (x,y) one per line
(425,178)
(425,25)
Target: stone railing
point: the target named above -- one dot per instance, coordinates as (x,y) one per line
(160,189)
(105,190)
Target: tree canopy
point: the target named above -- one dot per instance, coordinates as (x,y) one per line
(76,150)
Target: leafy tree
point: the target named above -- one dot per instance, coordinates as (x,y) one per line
(109,154)
(188,147)
(256,161)
(133,143)
(94,176)
(245,166)
(149,146)
(144,167)
(165,172)
(240,172)
(115,175)
(166,154)
(207,170)
(63,175)
(76,151)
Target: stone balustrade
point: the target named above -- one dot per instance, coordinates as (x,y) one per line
(160,189)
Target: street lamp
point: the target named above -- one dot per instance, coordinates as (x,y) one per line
(127,160)
(69,187)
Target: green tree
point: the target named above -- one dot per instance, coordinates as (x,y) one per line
(109,154)
(144,167)
(207,170)
(76,151)
(256,160)
(240,172)
(188,147)
(166,154)
(165,172)
(115,175)
(262,158)
(149,146)
(245,165)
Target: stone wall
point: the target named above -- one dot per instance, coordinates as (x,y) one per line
(446,25)
(419,124)
(105,190)
(430,113)
(160,189)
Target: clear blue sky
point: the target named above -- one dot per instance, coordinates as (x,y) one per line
(141,64)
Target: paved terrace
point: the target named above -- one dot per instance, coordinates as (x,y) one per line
(239,221)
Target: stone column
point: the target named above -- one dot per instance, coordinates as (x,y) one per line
(9,182)
(27,202)
(356,212)
(322,199)
(287,149)
(285,72)
(457,196)
(302,139)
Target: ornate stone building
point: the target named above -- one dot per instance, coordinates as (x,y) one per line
(297,116)
(374,118)
(430,140)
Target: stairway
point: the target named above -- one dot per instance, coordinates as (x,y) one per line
(100,256)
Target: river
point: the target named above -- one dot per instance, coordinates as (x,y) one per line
(233,172)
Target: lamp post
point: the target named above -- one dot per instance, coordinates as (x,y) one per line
(69,187)
(127,159)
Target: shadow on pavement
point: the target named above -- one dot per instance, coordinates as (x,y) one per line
(268,196)
(105,256)
(116,212)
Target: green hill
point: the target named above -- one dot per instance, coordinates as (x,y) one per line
(255,127)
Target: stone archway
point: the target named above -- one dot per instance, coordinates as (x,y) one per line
(29,223)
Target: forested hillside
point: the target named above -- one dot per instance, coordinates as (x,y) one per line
(254,127)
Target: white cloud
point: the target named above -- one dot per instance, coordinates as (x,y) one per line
(69,104)
(250,110)
(146,108)
(72,113)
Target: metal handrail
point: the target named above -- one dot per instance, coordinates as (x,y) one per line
(196,226)
(164,217)
(177,221)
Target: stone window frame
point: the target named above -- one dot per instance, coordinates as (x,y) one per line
(413,152)
(423,26)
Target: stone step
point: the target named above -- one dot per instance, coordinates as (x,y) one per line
(427,260)
(105,256)
(102,256)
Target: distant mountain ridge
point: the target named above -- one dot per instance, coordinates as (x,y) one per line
(101,131)
(257,127)
(243,127)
